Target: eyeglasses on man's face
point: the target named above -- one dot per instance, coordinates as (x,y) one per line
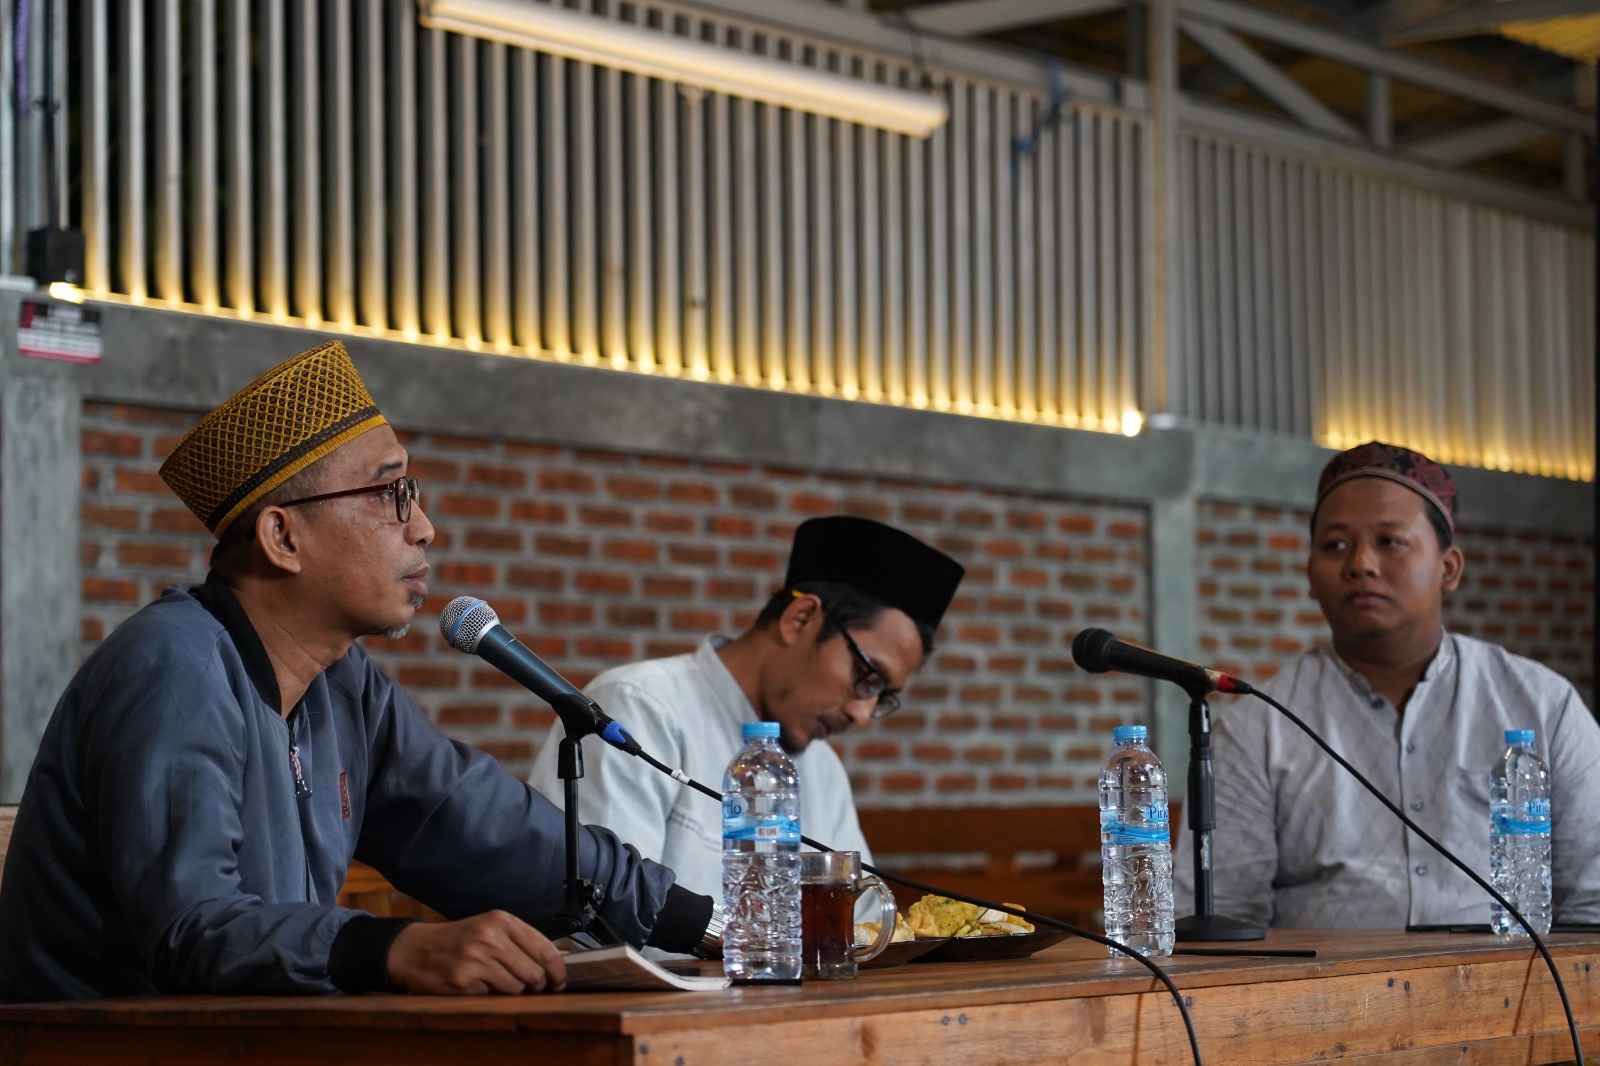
(401,490)
(869,682)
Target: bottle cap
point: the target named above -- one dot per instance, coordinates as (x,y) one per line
(1129,734)
(1522,738)
(761,730)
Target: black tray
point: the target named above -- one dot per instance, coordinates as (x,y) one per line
(991,948)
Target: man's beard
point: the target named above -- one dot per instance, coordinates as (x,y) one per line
(396,632)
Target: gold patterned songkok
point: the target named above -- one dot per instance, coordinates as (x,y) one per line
(269,431)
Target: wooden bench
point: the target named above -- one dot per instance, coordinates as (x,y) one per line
(1047,858)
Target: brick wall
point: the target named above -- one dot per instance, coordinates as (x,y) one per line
(597,559)
(1531,592)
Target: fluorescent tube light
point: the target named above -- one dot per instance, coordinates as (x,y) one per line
(574,35)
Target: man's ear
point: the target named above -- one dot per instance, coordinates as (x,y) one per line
(278,536)
(796,617)
(1454,564)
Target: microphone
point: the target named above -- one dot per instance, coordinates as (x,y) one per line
(1097,651)
(470,625)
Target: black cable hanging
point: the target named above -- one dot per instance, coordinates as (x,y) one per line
(1006,908)
(1561,989)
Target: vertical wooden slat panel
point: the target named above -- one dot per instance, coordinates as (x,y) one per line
(336,64)
(799,228)
(892,269)
(961,240)
(1026,169)
(203,50)
(584,334)
(307,171)
(526,284)
(641,219)
(724,366)
(167,223)
(846,370)
(870,330)
(466,267)
(918,231)
(1069,314)
(97,143)
(274,222)
(556,217)
(1046,182)
(668,236)
(1004,395)
(1105,400)
(405,309)
(982,383)
(497,199)
(1130,357)
(1087,296)
(940,222)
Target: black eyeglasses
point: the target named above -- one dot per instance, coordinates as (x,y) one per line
(401,490)
(869,682)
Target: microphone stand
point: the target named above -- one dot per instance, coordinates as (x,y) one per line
(580,900)
(1204,924)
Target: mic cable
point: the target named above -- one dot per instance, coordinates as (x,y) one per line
(1005,908)
(1538,941)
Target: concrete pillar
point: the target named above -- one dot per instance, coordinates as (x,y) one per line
(1174,627)
(41,467)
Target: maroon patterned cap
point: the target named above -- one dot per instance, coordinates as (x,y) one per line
(1401,465)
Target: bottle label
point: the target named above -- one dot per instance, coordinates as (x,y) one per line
(1536,821)
(1152,829)
(766,832)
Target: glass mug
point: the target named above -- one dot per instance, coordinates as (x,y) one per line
(830,881)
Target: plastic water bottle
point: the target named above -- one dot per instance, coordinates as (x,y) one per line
(1136,845)
(1519,836)
(761,861)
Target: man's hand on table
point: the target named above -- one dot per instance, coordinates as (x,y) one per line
(492,952)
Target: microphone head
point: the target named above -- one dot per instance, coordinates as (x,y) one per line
(464,621)
(1089,649)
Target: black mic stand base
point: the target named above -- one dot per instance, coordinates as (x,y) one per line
(1216,927)
(578,912)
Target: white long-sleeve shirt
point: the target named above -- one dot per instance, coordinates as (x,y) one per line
(687,711)
(1300,843)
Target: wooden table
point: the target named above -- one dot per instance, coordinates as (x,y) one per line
(1393,998)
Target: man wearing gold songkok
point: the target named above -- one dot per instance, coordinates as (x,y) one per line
(216,764)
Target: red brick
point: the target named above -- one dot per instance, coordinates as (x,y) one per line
(1053,609)
(659,587)
(666,522)
(541,511)
(432,471)
(956,783)
(142,481)
(730,588)
(457,505)
(633,488)
(1007,664)
(1095,553)
(566,614)
(573,481)
(118,518)
(499,477)
(1062,723)
(167,555)
(974,518)
(1005,549)
(692,492)
(1029,578)
(877,750)
(1005,605)
(88,554)
(1125,530)
(507,751)
(466,714)
(496,540)
(753,559)
(901,782)
(692,554)
(416,675)
(606,648)
(813,504)
(863,507)
(604,584)
(176,520)
(632,616)
(753,497)
(921,512)
(981,695)
(533,719)
(956,723)
(1077,523)
(632,551)
(101,442)
(662,649)
(1286,542)
(1026,521)
(530,577)
(91,629)
(1007,783)
(458,573)
(932,752)
(564,547)
(730,526)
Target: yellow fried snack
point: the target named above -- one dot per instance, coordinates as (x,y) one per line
(940,916)
(867,932)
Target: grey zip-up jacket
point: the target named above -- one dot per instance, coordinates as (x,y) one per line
(177,834)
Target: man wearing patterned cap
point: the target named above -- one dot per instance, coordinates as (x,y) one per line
(831,650)
(1420,711)
(215,765)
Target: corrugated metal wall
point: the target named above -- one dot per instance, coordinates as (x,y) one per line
(336,164)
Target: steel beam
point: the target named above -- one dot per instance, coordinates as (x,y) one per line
(1475,142)
(966,18)
(1272,82)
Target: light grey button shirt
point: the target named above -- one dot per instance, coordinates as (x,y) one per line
(1299,843)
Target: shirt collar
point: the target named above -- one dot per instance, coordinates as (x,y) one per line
(729,696)
(1438,666)
(217,596)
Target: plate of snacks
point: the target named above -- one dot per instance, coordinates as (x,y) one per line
(965,932)
(903,947)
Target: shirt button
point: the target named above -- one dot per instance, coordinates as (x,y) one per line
(1411,746)
(1416,805)
(1421,869)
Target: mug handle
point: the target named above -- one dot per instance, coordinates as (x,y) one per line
(886,913)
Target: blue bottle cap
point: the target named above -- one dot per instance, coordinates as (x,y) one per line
(1128,734)
(1522,738)
(763,730)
